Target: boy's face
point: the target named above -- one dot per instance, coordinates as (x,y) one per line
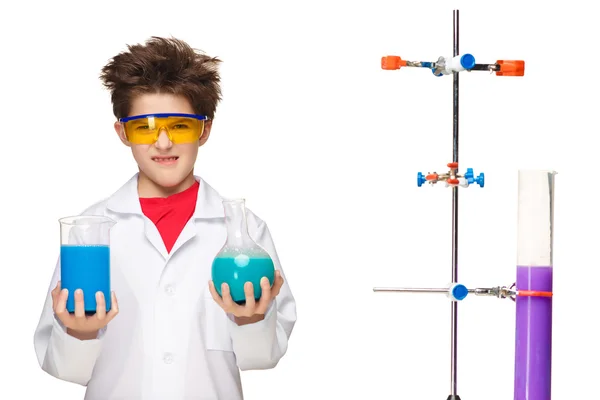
(163,162)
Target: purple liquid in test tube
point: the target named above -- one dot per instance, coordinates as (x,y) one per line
(533,330)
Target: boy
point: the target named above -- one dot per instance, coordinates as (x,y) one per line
(170,336)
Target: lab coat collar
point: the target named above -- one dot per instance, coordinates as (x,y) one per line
(126,200)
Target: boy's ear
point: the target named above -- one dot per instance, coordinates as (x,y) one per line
(121,132)
(206,133)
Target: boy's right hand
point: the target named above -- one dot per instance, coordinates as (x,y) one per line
(79,325)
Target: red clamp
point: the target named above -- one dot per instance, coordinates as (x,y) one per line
(533,293)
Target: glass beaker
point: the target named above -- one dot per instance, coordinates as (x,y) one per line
(85,259)
(241,259)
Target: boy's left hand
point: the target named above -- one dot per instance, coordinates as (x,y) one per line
(252,311)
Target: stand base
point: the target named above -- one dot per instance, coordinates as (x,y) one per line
(453,397)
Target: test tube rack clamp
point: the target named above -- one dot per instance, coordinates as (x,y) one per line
(457,292)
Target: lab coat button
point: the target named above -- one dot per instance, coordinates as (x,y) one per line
(168,358)
(170,290)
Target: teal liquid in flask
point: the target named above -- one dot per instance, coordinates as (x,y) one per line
(241,259)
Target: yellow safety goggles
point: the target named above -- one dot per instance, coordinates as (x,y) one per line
(180,128)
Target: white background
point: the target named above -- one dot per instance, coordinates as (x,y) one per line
(325,146)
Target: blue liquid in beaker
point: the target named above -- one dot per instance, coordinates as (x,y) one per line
(236,271)
(85,267)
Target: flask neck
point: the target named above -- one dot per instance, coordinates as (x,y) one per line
(235,221)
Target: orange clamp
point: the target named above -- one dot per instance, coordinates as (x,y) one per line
(452,181)
(392,62)
(432,177)
(453,165)
(511,68)
(533,293)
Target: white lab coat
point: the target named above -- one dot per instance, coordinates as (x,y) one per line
(170,340)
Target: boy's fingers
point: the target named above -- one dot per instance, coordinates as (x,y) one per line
(114,308)
(100,306)
(56,289)
(265,297)
(114,304)
(250,301)
(61,301)
(229,305)
(79,305)
(61,308)
(277,284)
(55,293)
(215,294)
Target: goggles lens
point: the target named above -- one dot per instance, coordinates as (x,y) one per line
(180,128)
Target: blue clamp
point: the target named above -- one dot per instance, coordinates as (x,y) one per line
(459,292)
(420,179)
(467,61)
(470,177)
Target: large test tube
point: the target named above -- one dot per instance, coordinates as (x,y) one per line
(533,347)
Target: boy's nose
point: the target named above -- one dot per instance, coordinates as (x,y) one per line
(163,141)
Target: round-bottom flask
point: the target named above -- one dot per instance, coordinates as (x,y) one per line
(241,259)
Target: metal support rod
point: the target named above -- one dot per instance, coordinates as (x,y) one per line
(454,305)
(411,290)
(486,67)
(501,292)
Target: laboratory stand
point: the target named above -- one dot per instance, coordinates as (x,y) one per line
(532,291)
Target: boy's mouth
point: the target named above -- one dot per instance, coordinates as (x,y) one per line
(165,160)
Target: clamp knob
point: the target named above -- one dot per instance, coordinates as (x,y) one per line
(457,292)
(469,176)
(480,180)
(467,61)
(392,62)
(421,179)
(510,68)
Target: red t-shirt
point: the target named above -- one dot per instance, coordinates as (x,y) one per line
(170,214)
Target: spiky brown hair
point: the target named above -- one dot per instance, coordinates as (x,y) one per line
(163,65)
